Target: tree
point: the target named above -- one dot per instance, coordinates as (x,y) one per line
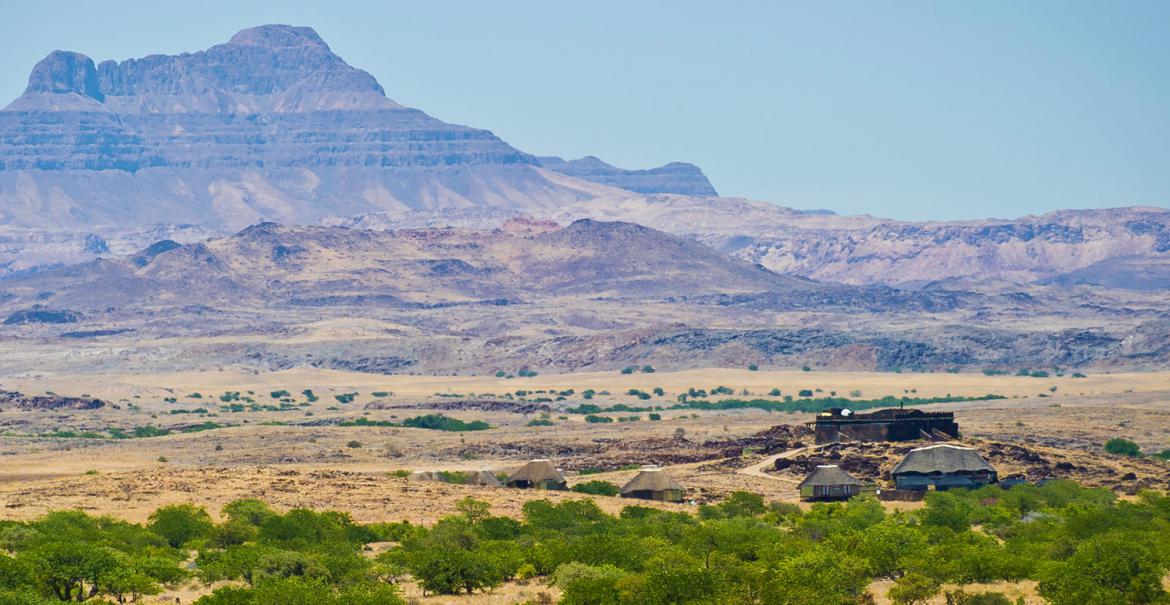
(473,510)
(70,570)
(451,559)
(1109,569)
(180,523)
(583,584)
(912,589)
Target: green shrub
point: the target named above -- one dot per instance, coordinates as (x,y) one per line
(597,488)
(1122,447)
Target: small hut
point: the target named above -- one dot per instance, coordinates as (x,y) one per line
(537,474)
(944,466)
(652,483)
(485,478)
(829,482)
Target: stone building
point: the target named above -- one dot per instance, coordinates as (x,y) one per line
(838,424)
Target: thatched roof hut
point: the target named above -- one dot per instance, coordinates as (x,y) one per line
(485,478)
(537,474)
(943,465)
(829,482)
(652,483)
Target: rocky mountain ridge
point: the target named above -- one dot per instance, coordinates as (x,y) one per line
(589,295)
(675,177)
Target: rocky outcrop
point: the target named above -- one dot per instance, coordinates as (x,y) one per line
(20,401)
(38,315)
(675,177)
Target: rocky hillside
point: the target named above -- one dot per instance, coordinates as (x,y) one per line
(269,265)
(1079,243)
(589,295)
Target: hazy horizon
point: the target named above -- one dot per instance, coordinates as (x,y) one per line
(928,112)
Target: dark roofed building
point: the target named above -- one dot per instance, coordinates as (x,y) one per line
(537,474)
(830,482)
(943,466)
(652,483)
(894,424)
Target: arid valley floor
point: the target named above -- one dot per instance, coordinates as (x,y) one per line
(302,456)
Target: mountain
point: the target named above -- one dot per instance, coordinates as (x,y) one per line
(270,125)
(675,177)
(100,159)
(272,265)
(1025,250)
(590,295)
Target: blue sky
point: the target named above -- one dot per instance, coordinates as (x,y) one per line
(916,110)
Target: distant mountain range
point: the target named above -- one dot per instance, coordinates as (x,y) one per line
(590,295)
(106,158)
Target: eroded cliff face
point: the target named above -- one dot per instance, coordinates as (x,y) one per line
(270,125)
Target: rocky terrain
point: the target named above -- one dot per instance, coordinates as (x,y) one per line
(591,295)
(1119,247)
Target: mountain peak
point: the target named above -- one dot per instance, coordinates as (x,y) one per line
(278,36)
(64,72)
(264,69)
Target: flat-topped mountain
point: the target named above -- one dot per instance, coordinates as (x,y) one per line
(271,125)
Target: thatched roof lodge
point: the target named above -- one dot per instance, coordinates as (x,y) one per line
(537,474)
(944,465)
(652,483)
(829,482)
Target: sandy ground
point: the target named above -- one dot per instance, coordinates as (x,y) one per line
(870,384)
(309,462)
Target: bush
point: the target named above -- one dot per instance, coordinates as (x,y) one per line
(440,422)
(597,487)
(1122,447)
(353,445)
(595,419)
